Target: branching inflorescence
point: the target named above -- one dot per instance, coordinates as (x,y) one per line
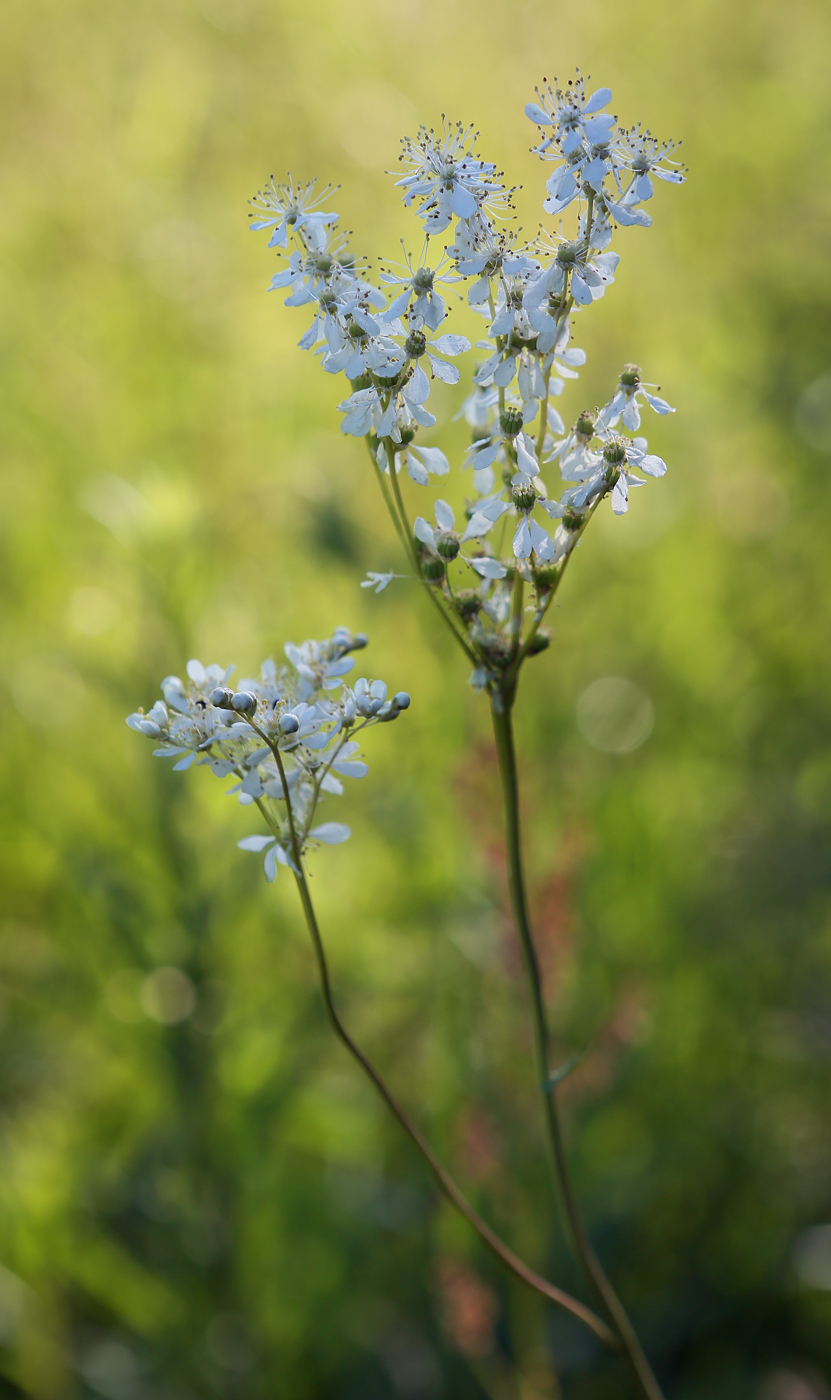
(289,737)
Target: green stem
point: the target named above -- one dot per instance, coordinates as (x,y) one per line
(445,1181)
(501,711)
(416,562)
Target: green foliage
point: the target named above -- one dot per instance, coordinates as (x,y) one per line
(216,1206)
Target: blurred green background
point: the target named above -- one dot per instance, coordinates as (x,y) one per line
(198,1196)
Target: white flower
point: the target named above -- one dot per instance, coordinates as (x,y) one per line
(364,348)
(378,582)
(418,296)
(609,471)
(572,270)
(308,272)
(573,115)
(294,209)
(645,156)
(419,461)
(624,407)
(445,525)
(482,251)
(369,696)
(445,176)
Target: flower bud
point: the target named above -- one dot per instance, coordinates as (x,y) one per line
(448,545)
(545,575)
(540,642)
(401,700)
(614,453)
(523,495)
(573,520)
(244,702)
(510,421)
(585,424)
(468,602)
(221,697)
(630,375)
(359,641)
(288,724)
(433,569)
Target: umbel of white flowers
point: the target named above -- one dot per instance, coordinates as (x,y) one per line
(286,737)
(601,176)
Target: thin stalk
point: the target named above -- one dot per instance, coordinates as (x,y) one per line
(445,1181)
(503,731)
(416,562)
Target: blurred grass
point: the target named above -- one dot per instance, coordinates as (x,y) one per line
(216,1207)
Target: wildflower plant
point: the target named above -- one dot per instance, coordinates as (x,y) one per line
(289,738)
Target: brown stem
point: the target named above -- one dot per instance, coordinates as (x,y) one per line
(445,1181)
(501,711)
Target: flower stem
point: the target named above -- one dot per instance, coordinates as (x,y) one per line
(501,711)
(407,541)
(445,1181)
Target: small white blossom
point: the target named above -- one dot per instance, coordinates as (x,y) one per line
(293,209)
(574,116)
(623,406)
(445,177)
(646,156)
(418,297)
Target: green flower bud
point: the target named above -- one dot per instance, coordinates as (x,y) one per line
(433,569)
(545,575)
(523,496)
(448,545)
(364,381)
(468,603)
(356,332)
(614,453)
(221,697)
(407,435)
(401,700)
(510,421)
(630,375)
(540,642)
(585,424)
(573,520)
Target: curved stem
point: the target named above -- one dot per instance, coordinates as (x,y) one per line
(503,731)
(445,1181)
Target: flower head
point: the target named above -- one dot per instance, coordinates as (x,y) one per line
(293,210)
(285,736)
(445,176)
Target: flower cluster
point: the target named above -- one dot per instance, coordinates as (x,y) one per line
(286,737)
(514,531)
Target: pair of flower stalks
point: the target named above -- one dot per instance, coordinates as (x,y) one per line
(288,738)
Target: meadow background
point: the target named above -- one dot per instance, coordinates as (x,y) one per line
(198,1196)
